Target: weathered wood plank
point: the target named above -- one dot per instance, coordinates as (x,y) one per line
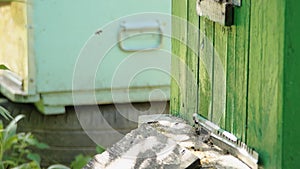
(291,83)
(192,59)
(13,33)
(239,87)
(179,31)
(219,74)
(230,78)
(264,93)
(206,50)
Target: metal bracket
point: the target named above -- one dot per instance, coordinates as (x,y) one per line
(228,141)
(220,11)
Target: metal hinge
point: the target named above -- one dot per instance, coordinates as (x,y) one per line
(220,11)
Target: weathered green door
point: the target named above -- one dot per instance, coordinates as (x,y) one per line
(243,77)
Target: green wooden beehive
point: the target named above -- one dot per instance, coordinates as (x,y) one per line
(47,44)
(244,77)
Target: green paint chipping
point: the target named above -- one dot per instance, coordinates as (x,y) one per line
(260,57)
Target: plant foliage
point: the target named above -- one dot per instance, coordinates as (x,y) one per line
(15,149)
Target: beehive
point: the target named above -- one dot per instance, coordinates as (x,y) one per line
(42,41)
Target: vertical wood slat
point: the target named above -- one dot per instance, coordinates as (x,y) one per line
(179,12)
(264,92)
(291,98)
(237,72)
(231,79)
(192,60)
(205,75)
(219,74)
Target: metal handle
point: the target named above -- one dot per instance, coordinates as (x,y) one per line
(140,28)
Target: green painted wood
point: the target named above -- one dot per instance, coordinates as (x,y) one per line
(192,59)
(219,74)
(237,72)
(179,49)
(65,52)
(291,84)
(260,60)
(265,78)
(206,52)
(59,37)
(230,79)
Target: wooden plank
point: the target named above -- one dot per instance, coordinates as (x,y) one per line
(179,32)
(230,79)
(237,80)
(206,42)
(264,95)
(13,38)
(32,87)
(291,83)
(219,74)
(192,60)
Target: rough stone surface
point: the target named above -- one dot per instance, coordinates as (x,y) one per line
(185,135)
(164,141)
(143,148)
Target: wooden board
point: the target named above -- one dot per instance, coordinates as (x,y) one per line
(179,11)
(206,67)
(192,60)
(219,75)
(13,38)
(265,78)
(237,72)
(291,97)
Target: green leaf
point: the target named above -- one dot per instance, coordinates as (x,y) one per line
(34,142)
(9,163)
(13,123)
(7,144)
(80,161)
(9,133)
(3,67)
(11,129)
(30,139)
(1,133)
(100,149)
(42,146)
(31,165)
(34,157)
(58,166)
(4,113)
(1,126)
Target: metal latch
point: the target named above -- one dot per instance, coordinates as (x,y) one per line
(220,11)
